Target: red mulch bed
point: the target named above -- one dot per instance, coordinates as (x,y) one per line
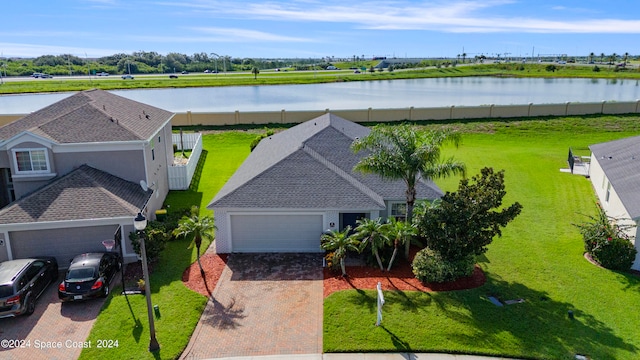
(213,264)
(399,278)
(358,277)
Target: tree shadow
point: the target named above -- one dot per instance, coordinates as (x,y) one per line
(223,316)
(540,325)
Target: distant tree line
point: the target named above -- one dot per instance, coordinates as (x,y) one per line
(143,62)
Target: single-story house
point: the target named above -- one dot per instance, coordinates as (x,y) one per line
(71,174)
(615,175)
(297,184)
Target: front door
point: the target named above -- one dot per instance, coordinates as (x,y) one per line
(349,219)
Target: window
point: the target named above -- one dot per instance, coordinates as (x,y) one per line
(399,210)
(31,160)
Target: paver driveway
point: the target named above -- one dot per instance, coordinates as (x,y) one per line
(53,331)
(264,304)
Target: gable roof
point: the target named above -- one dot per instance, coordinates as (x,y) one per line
(620,161)
(311,166)
(91,116)
(102,196)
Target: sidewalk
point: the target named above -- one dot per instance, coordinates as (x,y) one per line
(366,356)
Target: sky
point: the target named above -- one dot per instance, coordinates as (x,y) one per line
(320,28)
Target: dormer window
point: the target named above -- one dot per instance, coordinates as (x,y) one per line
(31,161)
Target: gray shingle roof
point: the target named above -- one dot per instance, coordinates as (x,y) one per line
(91,116)
(311,166)
(620,161)
(84,193)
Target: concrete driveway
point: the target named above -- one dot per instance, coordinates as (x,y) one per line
(53,331)
(264,304)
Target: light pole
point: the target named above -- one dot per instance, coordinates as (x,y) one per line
(140,223)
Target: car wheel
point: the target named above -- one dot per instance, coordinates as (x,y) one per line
(31,305)
(105,292)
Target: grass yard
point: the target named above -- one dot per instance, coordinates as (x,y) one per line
(539,258)
(124,318)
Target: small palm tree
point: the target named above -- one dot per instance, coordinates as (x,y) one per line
(197,228)
(339,242)
(255,71)
(373,233)
(400,232)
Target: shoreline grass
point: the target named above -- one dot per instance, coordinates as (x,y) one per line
(61,84)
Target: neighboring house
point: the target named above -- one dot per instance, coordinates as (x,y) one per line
(70,174)
(297,184)
(615,175)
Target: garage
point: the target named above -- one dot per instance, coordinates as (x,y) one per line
(276,232)
(64,244)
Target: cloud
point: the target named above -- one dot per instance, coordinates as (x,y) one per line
(34,50)
(236,34)
(459,16)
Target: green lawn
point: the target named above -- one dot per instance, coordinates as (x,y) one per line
(539,258)
(124,318)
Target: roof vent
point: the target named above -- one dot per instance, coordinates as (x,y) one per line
(147,116)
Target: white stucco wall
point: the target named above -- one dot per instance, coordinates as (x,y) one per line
(613,206)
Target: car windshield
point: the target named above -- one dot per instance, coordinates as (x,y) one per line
(6,290)
(80,274)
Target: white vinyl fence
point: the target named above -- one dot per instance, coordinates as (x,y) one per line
(180,175)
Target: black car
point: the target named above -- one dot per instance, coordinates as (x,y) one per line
(22,281)
(89,276)
(173,76)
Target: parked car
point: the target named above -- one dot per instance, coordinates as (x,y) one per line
(103,74)
(36,75)
(22,282)
(127,76)
(46,76)
(89,276)
(173,76)
(185,72)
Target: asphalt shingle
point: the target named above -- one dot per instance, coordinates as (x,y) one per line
(620,161)
(311,166)
(102,196)
(91,116)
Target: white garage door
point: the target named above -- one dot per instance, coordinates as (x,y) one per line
(276,233)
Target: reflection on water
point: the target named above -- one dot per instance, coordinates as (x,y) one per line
(437,92)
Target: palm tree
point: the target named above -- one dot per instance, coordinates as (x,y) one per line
(372,232)
(400,153)
(255,71)
(339,242)
(464,56)
(197,228)
(591,55)
(401,233)
(601,57)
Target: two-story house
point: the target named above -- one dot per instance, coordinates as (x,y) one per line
(71,173)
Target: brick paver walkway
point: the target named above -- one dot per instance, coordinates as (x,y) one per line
(264,304)
(53,331)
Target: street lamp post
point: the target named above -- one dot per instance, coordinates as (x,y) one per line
(140,223)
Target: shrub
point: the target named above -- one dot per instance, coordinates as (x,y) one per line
(614,253)
(155,240)
(430,267)
(606,241)
(256,141)
(596,69)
